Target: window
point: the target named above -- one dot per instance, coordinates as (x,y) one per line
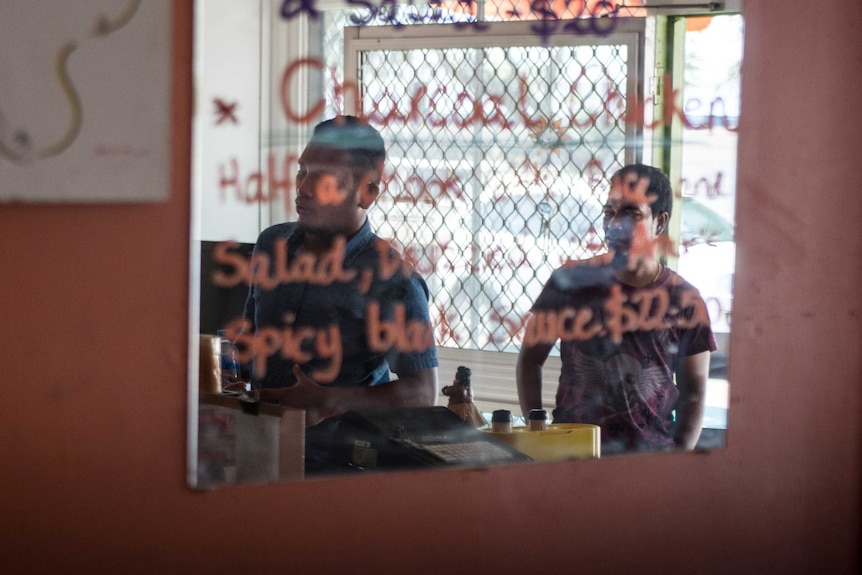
(501,137)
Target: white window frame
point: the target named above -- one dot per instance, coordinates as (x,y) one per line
(493,371)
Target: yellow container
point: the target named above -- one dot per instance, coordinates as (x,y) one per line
(559,441)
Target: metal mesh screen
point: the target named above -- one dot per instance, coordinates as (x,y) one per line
(496,158)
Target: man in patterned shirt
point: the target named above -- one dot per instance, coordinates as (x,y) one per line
(635,337)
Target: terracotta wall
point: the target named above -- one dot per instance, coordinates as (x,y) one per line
(93,336)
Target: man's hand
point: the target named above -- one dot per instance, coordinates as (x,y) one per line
(306,394)
(324,401)
(691,379)
(235,384)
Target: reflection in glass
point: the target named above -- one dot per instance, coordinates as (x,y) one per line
(500,152)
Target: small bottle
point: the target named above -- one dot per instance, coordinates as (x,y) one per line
(501,421)
(538,420)
(229,360)
(462,375)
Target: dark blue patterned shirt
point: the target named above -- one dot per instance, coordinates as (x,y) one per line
(348,318)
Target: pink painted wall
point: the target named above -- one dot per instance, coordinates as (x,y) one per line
(93,334)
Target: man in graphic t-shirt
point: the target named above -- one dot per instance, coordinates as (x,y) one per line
(635,337)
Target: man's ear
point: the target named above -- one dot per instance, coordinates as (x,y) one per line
(369,187)
(368,192)
(661,223)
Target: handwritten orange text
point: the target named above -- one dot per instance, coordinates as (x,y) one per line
(644,310)
(305,267)
(292,343)
(415,335)
(257,186)
(492,109)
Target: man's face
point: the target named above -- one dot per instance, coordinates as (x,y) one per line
(630,228)
(326,193)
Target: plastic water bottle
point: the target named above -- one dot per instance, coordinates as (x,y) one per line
(229,360)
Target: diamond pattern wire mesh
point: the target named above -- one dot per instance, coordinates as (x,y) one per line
(496,158)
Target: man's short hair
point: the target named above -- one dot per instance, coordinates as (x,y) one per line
(659,185)
(362,146)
